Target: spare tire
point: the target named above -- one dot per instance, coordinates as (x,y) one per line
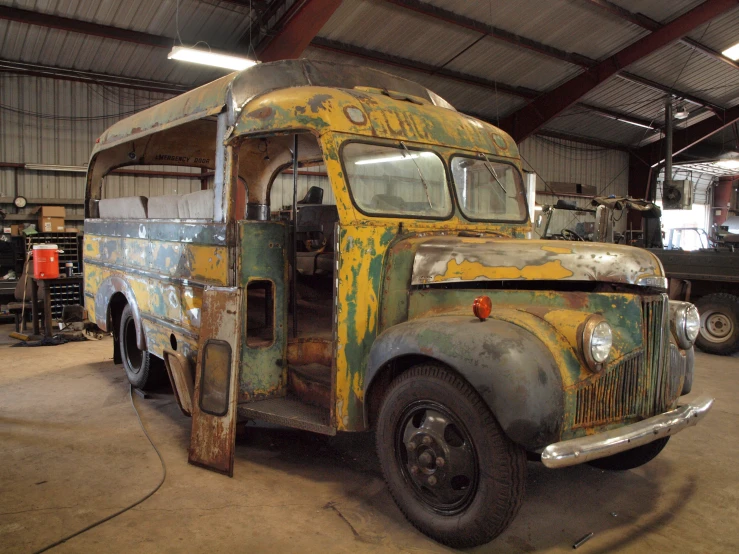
(719,333)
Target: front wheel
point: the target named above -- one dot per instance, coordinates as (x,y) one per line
(719,332)
(448,464)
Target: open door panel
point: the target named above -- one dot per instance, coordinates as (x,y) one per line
(216,381)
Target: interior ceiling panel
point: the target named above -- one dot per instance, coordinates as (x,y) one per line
(387,28)
(661,11)
(629,98)
(499,61)
(682,67)
(569,26)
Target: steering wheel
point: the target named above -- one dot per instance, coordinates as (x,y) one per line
(569,234)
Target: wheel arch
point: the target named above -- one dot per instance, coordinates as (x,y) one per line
(113,294)
(512,370)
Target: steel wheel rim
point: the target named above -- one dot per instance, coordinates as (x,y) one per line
(716,326)
(133,354)
(437,457)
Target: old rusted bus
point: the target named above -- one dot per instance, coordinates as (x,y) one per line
(414,305)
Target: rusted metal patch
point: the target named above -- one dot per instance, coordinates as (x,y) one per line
(455,259)
(213,436)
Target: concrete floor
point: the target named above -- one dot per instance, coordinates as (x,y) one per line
(71,452)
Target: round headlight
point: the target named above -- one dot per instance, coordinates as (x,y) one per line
(692,323)
(597,341)
(685,322)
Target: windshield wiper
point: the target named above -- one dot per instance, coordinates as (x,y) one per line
(420,174)
(493,173)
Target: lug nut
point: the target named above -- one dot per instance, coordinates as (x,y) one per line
(440,462)
(425,458)
(431,480)
(411,446)
(426,440)
(414,469)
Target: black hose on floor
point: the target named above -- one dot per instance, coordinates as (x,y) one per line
(123,510)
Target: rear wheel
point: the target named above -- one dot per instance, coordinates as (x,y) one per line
(448,464)
(631,458)
(719,333)
(138,364)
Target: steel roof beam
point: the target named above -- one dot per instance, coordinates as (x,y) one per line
(533,116)
(294,35)
(650,24)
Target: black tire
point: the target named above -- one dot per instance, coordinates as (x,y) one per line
(478,486)
(139,364)
(630,459)
(719,332)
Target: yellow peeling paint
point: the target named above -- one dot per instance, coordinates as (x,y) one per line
(470,271)
(557,249)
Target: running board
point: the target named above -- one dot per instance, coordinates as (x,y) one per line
(290,413)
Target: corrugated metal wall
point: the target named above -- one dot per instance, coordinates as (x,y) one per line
(56,122)
(555,160)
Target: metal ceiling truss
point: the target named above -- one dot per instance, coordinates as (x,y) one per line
(651,25)
(537,113)
(303,20)
(453,18)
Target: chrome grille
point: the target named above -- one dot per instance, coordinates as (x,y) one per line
(641,383)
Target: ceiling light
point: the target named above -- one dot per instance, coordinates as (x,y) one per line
(728,163)
(682,112)
(642,125)
(205,57)
(732,52)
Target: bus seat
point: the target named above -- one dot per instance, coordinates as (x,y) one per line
(163,207)
(130,207)
(315,226)
(196,205)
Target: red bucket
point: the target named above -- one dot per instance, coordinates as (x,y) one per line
(45,261)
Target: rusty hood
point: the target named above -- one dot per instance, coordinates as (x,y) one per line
(457,259)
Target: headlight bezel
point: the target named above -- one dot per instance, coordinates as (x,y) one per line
(682,314)
(588,333)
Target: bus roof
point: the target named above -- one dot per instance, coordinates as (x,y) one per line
(236,89)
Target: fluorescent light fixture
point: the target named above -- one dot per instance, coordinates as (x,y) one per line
(392,158)
(729,163)
(634,123)
(49,167)
(732,52)
(205,57)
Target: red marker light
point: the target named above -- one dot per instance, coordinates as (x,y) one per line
(481,307)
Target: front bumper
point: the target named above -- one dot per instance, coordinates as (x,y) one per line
(577,451)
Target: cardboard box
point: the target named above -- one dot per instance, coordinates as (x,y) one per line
(15,230)
(51,219)
(51,224)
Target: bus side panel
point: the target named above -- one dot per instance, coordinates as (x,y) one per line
(165,267)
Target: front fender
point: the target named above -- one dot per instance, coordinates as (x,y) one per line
(512,369)
(103,295)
